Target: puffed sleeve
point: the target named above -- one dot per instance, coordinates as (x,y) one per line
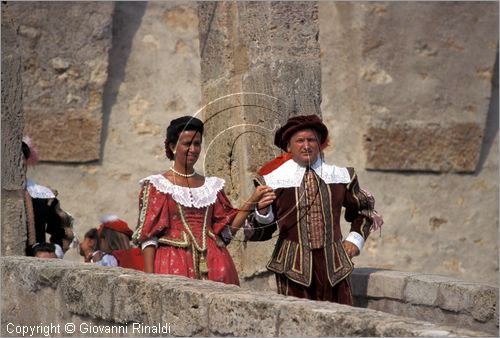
(223,214)
(153,213)
(360,212)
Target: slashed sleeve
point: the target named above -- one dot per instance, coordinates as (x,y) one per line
(153,214)
(360,212)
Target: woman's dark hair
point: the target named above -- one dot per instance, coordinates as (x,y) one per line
(26,150)
(176,127)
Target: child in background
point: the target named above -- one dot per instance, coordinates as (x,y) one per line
(44,250)
(110,245)
(90,249)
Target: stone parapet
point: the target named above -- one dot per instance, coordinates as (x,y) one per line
(435,298)
(44,292)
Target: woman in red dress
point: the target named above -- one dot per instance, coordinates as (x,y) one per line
(185,219)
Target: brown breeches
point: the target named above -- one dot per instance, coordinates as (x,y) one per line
(320,288)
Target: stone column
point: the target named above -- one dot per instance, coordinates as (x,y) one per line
(260,65)
(13,177)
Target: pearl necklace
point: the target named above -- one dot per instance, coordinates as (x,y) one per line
(181,174)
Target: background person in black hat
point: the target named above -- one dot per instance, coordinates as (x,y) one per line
(311,259)
(44,214)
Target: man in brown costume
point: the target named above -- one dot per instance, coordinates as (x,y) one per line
(311,259)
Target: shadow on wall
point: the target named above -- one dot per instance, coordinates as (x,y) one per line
(127,18)
(491,128)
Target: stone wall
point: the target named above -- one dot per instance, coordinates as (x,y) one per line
(153,77)
(64,50)
(13,175)
(410,95)
(41,292)
(259,65)
(445,223)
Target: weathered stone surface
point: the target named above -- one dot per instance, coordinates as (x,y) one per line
(484,301)
(89,294)
(13,223)
(77,135)
(416,145)
(65,66)
(54,291)
(423,289)
(136,300)
(435,298)
(260,65)
(387,284)
(385,41)
(13,175)
(412,84)
(245,315)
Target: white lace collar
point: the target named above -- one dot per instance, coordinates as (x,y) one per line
(290,174)
(38,191)
(189,197)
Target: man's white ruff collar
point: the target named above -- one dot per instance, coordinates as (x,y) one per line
(290,174)
(189,197)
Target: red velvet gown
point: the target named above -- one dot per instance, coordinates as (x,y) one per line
(181,240)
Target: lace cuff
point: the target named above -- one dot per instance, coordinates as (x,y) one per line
(264,219)
(151,241)
(356,239)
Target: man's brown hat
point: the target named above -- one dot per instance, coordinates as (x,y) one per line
(298,123)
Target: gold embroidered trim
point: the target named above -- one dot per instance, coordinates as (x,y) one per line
(203,246)
(199,253)
(180,243)
(142,213)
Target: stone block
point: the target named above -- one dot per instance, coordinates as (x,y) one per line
(422,146)
(68,136)
(484,301)
(423,289)
(243,315)
(89,294)
(186,306)
(455,296)
(136,299)
(388,284)
(65,66)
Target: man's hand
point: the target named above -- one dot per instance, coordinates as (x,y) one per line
(263,196)
(351,249)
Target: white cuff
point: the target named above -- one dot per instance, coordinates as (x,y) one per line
(152,241)
(356,239)
(59,251)
(264,219)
